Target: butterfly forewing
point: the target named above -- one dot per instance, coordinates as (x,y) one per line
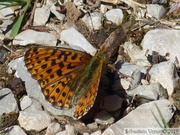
(53,68)
(67,77)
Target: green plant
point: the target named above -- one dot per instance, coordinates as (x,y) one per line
(24,6)
(165,126)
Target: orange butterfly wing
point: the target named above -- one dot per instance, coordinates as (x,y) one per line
(63,75)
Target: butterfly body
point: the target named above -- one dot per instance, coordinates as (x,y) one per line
(68,78)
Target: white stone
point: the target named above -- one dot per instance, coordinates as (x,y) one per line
(73,37)
(128,68)
(165,74)
(92,126)
(104,118)
(136,54)
(70,129)
(6,12)
(108,103)
(142,117)
(155,10)
(41,16)
(33,89)
(104,8)
(131,82)
(7,103)
(56,13)
(53,128)
(32,119)
(93,21)
(85,134)
(34,37)
(78,2)
(163,41)
(36,105)
(16,130)
(6,23)
(124,82)
(115,16)
(62,133)
(153,91)
(134,71)
(25,103)
(98,132)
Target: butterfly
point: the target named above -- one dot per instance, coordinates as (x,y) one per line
(68,77)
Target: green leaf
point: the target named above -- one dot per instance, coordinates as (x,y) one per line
(166,126)
(17,24)
(24,6)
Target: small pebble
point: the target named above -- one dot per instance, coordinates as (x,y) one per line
(167,77)
(8,102)
(104,118)
(77,39)
(25,102)
(30,37)
(155,10)
(98,132)
(92,126)
(41,16)
(115,16)
(16,130)
(53,128)
(93,21)
(32,119)
(70,129)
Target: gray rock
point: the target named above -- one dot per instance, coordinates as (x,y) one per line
(53,128)
(93,21)
(92,126)
(142,117)
(41,16)
(105,7)
(115,16)
(77,39)
(98,132)
(155,10)
(62,133)
(137,55)
(70,129)
(34,119)
(56,13)
(16,130)
(104,118)
(163,41)
(25,102)
(7,103)
(153,91)
(135,73)
(6,23)
(6,12)
(34,37)
(128,68)
(165,74)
